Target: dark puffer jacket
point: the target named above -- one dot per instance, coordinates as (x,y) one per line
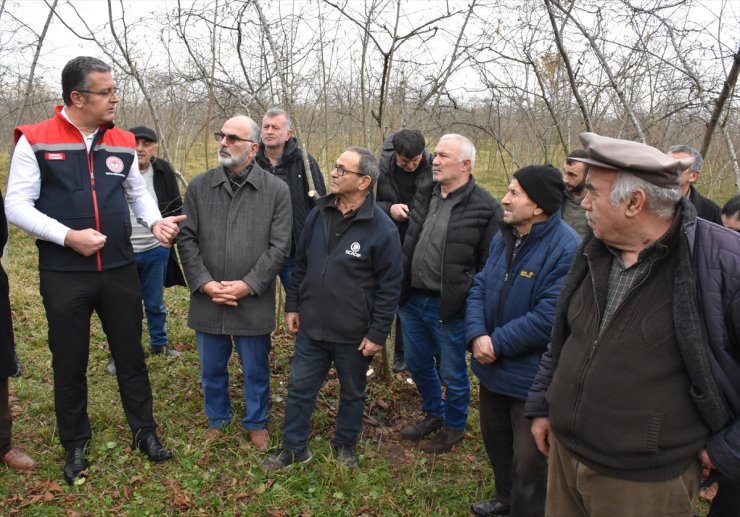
(473,222)
(514,303)
(8,364)
(706,319)
(290,169)
(387,193)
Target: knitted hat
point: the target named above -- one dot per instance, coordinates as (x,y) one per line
(544,185)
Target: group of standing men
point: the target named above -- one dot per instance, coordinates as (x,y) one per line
(623,349)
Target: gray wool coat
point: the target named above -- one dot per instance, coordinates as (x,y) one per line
(230,236)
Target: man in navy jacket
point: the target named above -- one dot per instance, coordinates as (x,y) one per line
(341,301)
(509,316)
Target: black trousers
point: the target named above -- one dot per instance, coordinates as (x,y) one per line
(519,468)
(70,299)
(6,419)
(727,501)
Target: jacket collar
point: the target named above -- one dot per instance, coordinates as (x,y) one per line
(364,212)
(255,178)
(538,230)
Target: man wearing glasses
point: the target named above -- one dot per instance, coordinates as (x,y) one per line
(341,302)
(71,181)
(232,246)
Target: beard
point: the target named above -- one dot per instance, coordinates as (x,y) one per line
(231,160)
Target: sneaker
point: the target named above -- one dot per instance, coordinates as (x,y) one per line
(443,441)
(422,428)
(284,458)
(166,351)
(489,508)
(345,454)
(111,366)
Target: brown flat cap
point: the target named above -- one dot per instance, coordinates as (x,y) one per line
(642,160)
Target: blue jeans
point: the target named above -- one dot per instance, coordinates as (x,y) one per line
(214,351)
(286,272)
(311,362)
(423,338)
(152,267)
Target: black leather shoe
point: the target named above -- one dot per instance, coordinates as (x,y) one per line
(420,429)
(75,466)
(152,447)
(399,365)
(489,508)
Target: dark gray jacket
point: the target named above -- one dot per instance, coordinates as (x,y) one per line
(231,236)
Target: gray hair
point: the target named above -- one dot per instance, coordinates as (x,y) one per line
(368,163)
(254,128)
(695,154)
(660,201)
(467,148)
(75,75)
(276,112)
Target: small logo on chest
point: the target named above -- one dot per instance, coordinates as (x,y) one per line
(527,274)
(354,250)
(55,157)
(114,164)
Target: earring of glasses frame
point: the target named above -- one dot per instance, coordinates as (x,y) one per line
(232,139)
(341,171)
(108,92)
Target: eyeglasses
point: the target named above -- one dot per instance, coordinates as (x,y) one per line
(108,92)
(232,139)
(341,171)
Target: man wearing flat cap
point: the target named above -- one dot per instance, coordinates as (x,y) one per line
(156,264)
(640,386)
(508,319)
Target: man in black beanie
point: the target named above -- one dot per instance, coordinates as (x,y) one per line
(508,318)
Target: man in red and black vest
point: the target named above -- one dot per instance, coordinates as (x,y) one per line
(71,181)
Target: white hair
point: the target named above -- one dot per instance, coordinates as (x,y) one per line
(661,201)
(467,148)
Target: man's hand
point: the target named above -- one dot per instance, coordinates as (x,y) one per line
(165,230)
(228,292)
(368,348)
(542,433)
(218,293)
(239,288)
(400,212)
(707,466)
(85,242)
(292,321)
(483,350)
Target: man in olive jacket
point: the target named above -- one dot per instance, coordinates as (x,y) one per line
(237,237)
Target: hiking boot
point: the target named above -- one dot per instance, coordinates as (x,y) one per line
(345,454)
(284,458)
(443,441)
(489,508)
(422,428)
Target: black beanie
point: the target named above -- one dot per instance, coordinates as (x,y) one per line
(544,185)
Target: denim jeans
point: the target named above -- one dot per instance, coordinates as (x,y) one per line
(311,362)
(214,351)
(151,266)
(423,338)
(286,272)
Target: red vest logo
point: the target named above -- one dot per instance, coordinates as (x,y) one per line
(114,164)
(55,156)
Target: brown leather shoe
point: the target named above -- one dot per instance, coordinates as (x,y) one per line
(260,439)
(16,459)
